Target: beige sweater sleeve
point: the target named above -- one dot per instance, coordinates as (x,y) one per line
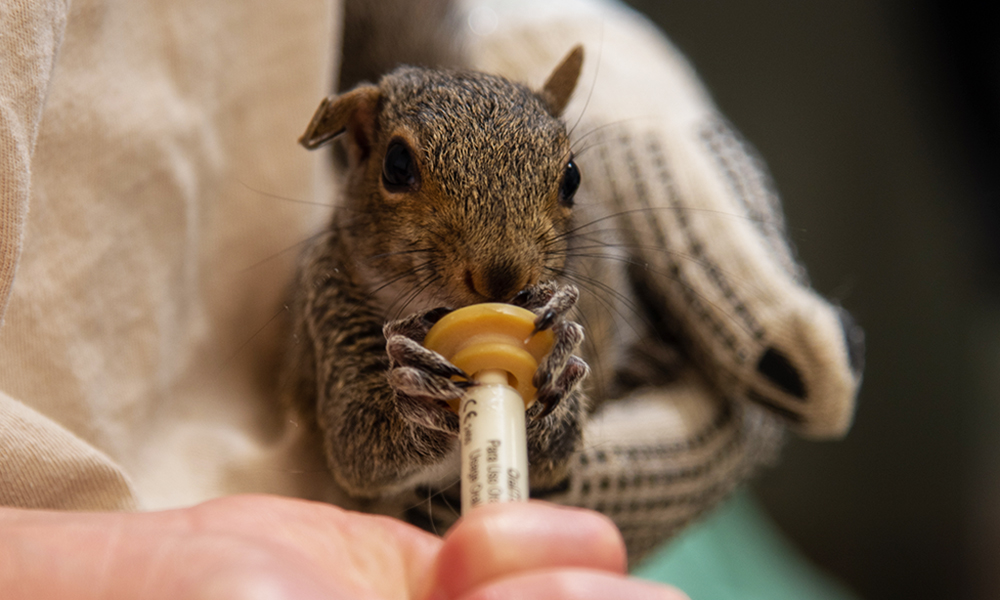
(150,188)
(30,34)
(46,466)
(43,465)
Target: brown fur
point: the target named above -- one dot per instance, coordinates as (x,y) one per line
(483,222)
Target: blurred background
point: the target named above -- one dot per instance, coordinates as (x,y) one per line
(881,124)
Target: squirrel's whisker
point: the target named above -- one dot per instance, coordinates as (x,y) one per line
(631,261)
(420,286)
(283,198)
(399,253)
(398,277)
(609,125)
(649,209)
(294,246)
(593,83)
(734,276)
(593,285)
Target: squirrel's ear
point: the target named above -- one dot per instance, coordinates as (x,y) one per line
(560,84)
(335,114)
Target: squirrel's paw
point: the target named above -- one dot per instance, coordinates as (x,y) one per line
(421,378)
(554,435)
(560,371)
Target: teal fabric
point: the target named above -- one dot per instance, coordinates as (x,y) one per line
(737,553)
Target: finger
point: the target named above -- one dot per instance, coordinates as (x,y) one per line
(496,541)
(573,584)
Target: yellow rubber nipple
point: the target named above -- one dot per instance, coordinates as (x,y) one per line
(493,336)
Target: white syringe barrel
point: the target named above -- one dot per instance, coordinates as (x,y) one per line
(494,447)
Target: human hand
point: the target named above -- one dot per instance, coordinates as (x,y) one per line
(261,547)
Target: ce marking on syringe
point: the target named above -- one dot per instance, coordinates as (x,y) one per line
(469,413)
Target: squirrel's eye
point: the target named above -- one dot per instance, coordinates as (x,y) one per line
(570,183)
(399,172)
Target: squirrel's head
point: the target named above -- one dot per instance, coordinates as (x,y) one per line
(459,182)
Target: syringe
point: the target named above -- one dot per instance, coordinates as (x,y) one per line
(498,346)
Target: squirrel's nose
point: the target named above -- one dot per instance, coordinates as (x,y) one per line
(497,281)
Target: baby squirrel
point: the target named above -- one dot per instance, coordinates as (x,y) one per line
(703,339)
(459,190)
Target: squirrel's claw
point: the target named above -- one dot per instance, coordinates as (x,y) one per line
(550,302)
